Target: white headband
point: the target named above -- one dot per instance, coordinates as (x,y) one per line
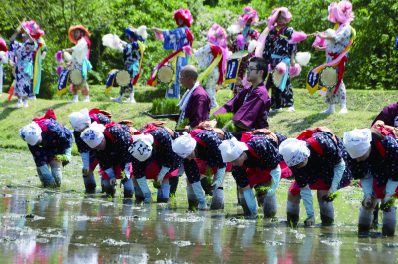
(232,149)
(357,142)
(93,135)
(80,120)
(31,133)
(184,145)
(294,151)
(141,148)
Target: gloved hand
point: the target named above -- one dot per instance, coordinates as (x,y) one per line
(219,177)
(87,172)
(112,182)
(310,221)
(112,176)
(367,202)
(162,173)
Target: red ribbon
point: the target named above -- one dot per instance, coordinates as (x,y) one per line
(279,32)
(341,69)
(216,51)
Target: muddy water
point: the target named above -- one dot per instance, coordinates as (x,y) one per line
(39,226)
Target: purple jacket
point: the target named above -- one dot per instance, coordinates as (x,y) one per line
(198,108)
(253,112)
(389,115)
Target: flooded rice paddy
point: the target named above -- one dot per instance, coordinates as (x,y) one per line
(65,226)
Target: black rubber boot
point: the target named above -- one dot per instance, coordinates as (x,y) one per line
(206,186)
(292,219)
(162,200)
(90,188)
(363,230)
(102,189)
(246,210)
(376,216)
(326,220)
(139,199)
(128,194)
(173,181)
(110,191)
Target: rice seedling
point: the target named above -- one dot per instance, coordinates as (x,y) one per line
(165,106)
(260,191)
(223,119)
(156,184)
(183,124)
(389,204)
(209,175)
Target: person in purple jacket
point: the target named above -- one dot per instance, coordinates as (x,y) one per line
(251,105)
(389,115)
(195,103)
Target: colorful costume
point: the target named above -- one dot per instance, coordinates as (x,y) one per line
(243,43)
(194,105)
(47,141)
(213,58)
(80,121)
(36,34)
(205,144)
(114,159)
(133,55)
(3,60)
(325,169)
(162,164)
(378,174)
(180,40)
(80,59)
(279,47)
(337,50)
(250,106)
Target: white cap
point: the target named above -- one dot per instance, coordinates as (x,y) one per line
(232,149)
(80,120)
(294,151)
(357,142)
(184,145)
(31,133)
(141,148)
(93,135)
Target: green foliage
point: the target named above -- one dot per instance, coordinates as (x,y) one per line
(165,106)
(156,184)
(261,190)
(389,204)
(61,157)
(223,119)
(209,175)
(183,124)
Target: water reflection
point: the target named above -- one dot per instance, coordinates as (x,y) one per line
(39,226)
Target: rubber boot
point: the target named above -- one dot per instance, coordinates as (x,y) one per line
(251,202)
(200,195)
(242,202)
(173,181)
(376,216)
(145,189)
(217,201)
(269,206)
(128,194)
(364,221)
(327,212)
(389,222)
(206,186)
(110,191)
(260,200)
(164,193)
(292,213)
(90,188)
(139,196)
(193,202)
(57,174)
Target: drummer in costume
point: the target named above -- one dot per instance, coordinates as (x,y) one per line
(336,43)
(80,121)
(79,35)
(3,60)
(251,105)
(373,158)
(200,151)
(256,153)
(318,162)
(24,54)
(36,34)
(153,158)
(180,40)
(133,55)
(280,48)
(213,58)
(246,41)
(51,145)
(111,143)
(195,103)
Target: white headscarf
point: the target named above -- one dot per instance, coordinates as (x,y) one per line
(141,147)
(232,149)
(31,133)
(357,142)
(93,135)
(184,102)
(184,145)
(294,151)
(80,120)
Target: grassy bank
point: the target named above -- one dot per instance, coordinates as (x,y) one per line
(362,105)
